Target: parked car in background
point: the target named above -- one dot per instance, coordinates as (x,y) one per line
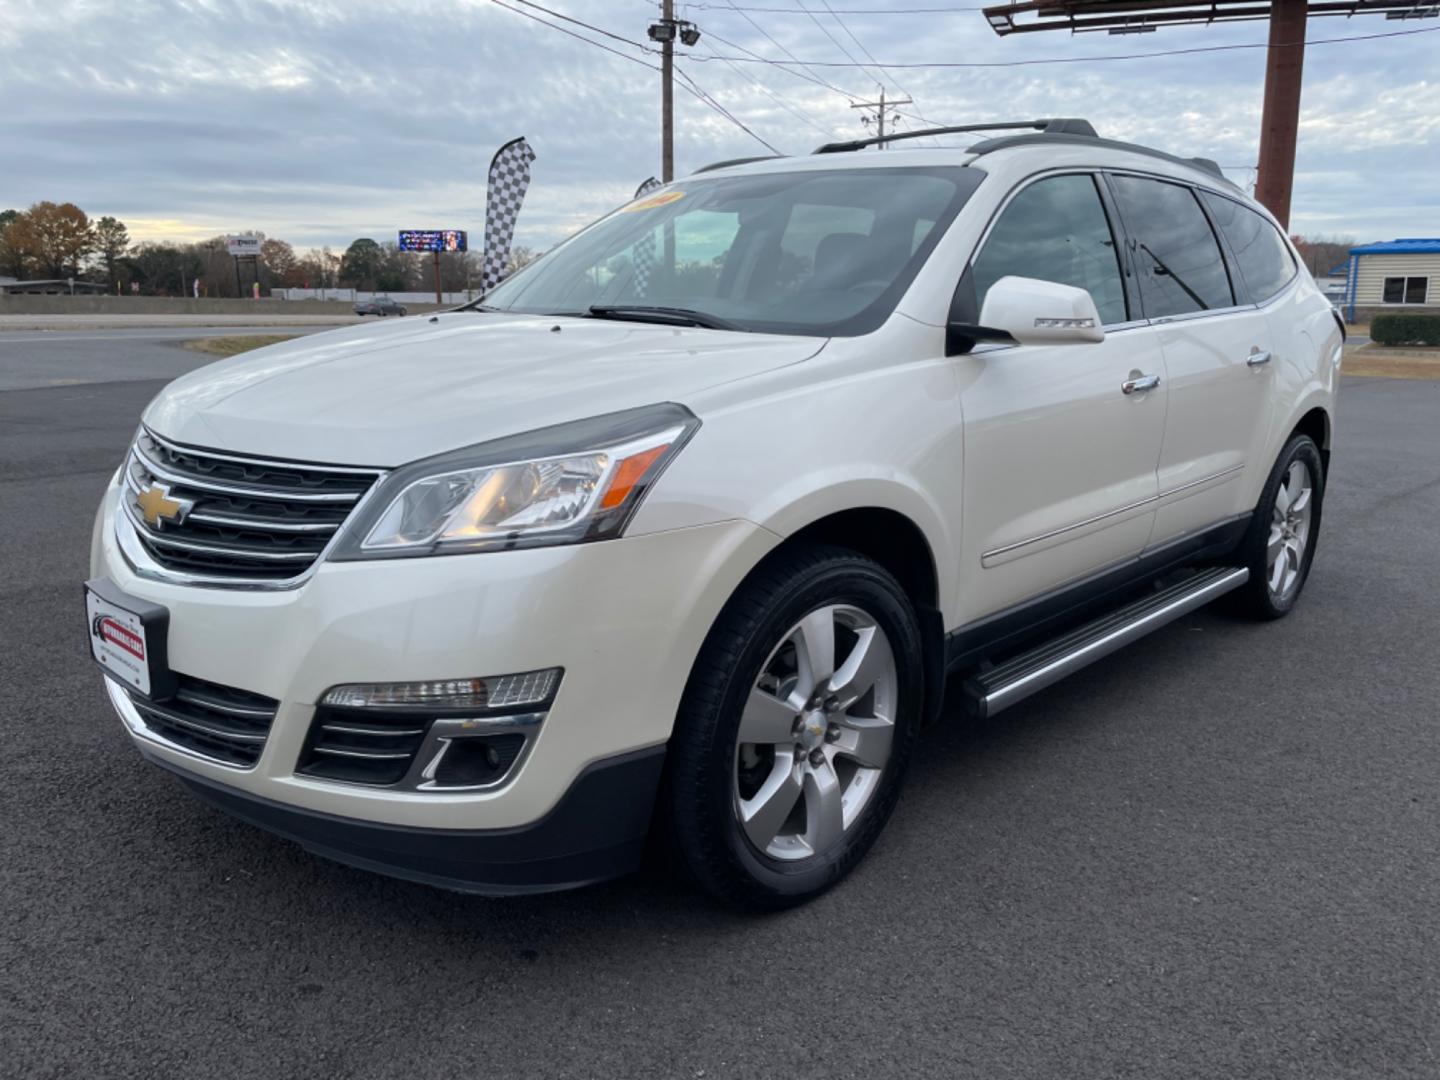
(379,305)
(690,522)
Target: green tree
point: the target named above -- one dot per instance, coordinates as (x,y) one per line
(361,263)
(12,261)
(111,240)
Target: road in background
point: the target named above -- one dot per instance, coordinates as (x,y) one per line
(33,359)
(1214,854)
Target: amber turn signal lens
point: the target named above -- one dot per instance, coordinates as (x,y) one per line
(629,473)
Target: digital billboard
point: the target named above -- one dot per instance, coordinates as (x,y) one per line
(432,240)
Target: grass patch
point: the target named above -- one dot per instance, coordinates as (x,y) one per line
(1371,360)
(236,344)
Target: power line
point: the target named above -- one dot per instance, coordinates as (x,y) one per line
(826,31)
(580,22)
(693,88)
(794,110)
(828,85)
(842,11)
(581,37)
(922,65)
(700,92)
(846,27)
(900,91)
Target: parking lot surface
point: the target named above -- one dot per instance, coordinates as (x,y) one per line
(1215,854)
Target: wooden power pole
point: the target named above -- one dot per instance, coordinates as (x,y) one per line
(880,107)
(667,95)
(1280,118)
(1280,121)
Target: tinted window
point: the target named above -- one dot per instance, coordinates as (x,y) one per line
(806,252)
(1265,260)
(1055,230)
(1399,290)
(1177,256)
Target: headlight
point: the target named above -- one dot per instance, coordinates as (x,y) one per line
(561,485)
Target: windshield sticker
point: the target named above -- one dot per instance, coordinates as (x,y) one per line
(665,198)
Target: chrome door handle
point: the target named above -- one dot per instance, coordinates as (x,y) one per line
(1141,382)
(1258,357)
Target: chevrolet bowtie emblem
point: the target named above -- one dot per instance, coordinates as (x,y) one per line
(159,508)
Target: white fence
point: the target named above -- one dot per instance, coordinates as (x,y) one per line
(353,295)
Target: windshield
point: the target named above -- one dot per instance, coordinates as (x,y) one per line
(824,253)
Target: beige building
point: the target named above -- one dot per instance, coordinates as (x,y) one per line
(1394,276)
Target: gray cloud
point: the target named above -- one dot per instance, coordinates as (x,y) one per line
(321,121)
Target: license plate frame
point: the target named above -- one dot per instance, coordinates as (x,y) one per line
(128,639)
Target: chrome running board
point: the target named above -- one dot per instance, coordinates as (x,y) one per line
(997,689)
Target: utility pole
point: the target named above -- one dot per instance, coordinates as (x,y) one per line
(665,32)
(667,96)
(879,107)
(1280,116)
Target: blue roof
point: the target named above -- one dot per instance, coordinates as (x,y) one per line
(1412,246)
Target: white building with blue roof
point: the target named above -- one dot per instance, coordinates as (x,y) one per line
(1394,276)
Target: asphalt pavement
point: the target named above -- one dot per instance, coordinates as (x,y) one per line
(1212,855)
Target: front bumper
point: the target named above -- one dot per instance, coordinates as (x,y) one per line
(597,831)
(623,618)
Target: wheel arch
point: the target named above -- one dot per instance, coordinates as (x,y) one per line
(1315,423)
(897,542)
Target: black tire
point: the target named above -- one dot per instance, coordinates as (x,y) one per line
(1256,599)
(403,312)
(698,807)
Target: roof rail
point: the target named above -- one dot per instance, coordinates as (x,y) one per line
(734,161)
(1054,126)
(989,146)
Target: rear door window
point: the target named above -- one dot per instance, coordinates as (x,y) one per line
(1055,230)
(1265,260)
(1176,255)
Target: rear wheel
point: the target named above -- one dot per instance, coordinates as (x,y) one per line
(795,729)
(1280,544)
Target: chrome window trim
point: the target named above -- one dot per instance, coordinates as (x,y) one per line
(1093,172)
(1109,513)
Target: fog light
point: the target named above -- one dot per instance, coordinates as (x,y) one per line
(523,690)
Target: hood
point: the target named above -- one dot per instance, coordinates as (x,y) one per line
(388,393)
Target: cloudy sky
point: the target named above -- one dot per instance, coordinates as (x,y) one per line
(318,121)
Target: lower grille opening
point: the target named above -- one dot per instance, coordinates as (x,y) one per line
(383,747)
(362,746)
(473,761)
(218,722)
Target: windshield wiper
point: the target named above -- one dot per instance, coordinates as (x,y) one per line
(674,316)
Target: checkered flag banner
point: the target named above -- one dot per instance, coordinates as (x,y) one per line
(644,253)
(504,192)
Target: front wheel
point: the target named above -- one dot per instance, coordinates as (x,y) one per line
(1280,544)
(795,729)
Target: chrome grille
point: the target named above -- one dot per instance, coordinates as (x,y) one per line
(241,519)
(218,722)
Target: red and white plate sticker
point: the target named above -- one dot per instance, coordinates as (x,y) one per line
(117,640)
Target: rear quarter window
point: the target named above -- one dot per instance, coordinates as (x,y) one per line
(1263,256)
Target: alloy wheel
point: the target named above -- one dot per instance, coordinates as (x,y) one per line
(816,733)
(1289,529)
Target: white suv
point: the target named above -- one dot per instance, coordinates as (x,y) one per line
(682,529)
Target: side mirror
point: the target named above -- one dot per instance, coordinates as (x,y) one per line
(1033,312)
